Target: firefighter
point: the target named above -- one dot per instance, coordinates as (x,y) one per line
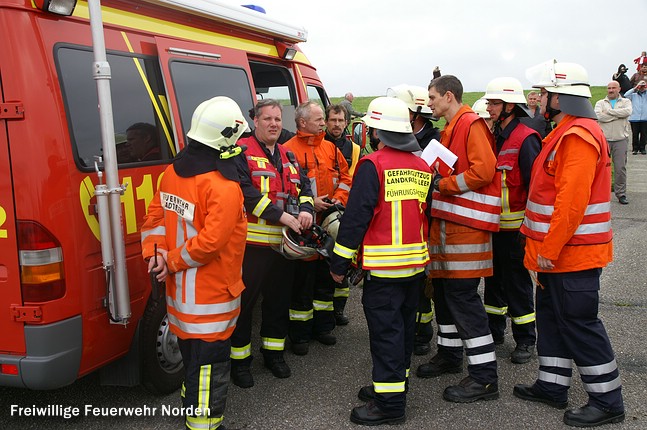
(480,108)
(385,217)
(336,133)
(417,99)
(197,222)
(276,194)
(510,291)
(569,241)
(465,211)
(312,310)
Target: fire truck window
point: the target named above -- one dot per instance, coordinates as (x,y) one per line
(197,82)
(316,94)
(142,129)
(275,82)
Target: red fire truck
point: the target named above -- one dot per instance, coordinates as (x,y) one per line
(74,293)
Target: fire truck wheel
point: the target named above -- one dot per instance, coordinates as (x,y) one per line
(162,369)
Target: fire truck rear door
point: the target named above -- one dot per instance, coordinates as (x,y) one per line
(12,313)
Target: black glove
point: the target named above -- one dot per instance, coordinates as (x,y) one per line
(436,182)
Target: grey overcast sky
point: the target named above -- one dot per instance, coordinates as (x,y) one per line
(367,46)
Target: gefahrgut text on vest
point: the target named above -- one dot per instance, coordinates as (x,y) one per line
(406,184)
(171,202)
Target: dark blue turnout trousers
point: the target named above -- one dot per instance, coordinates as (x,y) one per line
(311,306)
(206,380)
(462,321)
(568,329)
(390,307)
(510,291)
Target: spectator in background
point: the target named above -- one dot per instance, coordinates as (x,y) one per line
(535,120)
(347,103)
(142,141)
(640,60)
(613,112)
(623,79)
(638,118)
(640,75)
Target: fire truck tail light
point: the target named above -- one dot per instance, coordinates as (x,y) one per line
(59,7)
(41,274)
(8,369)
(41,263)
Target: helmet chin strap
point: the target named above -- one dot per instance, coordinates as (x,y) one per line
(502,117)
(550,112)
(415,115)
(373,141)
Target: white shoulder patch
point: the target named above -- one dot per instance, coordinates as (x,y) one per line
(171,202)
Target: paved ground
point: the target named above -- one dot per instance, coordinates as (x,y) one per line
(323,388)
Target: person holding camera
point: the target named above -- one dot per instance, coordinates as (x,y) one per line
(638,118)
(622,79)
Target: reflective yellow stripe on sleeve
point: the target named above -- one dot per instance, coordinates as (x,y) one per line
(344,252)
(261,205)
(306,199)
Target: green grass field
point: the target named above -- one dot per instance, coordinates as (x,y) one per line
(361,103)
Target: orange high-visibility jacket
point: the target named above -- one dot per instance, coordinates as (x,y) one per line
(458,250)
(471,196)
(201,222)
(324,163)
(568,216)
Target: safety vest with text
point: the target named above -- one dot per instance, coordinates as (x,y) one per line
(595,227)
(513,191)
(275,186)
(394,245)
(479,209)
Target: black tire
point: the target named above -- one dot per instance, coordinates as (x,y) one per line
(162,368)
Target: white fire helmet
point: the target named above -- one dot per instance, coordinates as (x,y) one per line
(561,78)
(217,123)
(332,219)
(480,107)
(416,98)
(505,88)
(295,246)
(389,114)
